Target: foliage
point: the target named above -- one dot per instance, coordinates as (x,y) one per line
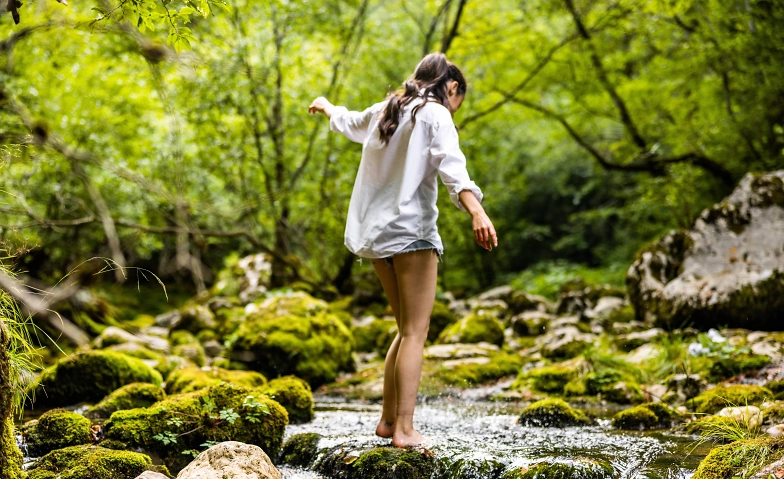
(550,278)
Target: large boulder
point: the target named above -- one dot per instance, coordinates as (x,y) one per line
(185,422)
(90,376)
(56,429)
(727,269)
(231,459)
(294,334)
(90,462)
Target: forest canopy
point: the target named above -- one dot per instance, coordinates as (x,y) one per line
(170,135)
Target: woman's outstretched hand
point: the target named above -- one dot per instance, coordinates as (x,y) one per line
(484,231)
(321,105)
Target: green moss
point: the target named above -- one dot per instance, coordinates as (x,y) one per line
(575,387)
(206,335)
(374,336)
(195,318)
(300,450)
(127,397)
(474,328)
(56,429)
(377,463)
(732,366)
(293,394)
(706,424)
(90,376)
(552,413)
(440,319)
(739,459)
(314,348)
(613,386)
(578,469)
(198,414)
(90,462)
(179,337)
(192,352)
(773,413)
(471,374)
(622,315)
(10,456)
(169,364)
(645,416)
(777,388)
(193,379)
(713,400)
(135,350)
(469,467)
(550,379)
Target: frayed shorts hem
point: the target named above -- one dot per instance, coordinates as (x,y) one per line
(417,245)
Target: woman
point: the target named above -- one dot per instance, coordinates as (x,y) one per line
(406,140)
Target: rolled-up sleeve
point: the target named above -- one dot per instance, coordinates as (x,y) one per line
(353,124)
(449,160)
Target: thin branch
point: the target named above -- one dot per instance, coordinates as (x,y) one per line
(448,37)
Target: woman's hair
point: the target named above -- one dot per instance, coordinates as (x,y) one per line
(434,73)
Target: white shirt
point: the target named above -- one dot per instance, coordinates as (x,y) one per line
(394,199)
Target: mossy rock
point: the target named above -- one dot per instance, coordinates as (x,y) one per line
(578,469)
(300,450)
(315,348)
(376,463)
(196,318)
(474,371)
(777,388)
(294,394)
(56,429)
(474,328)
(90,376)
(127,397)
(704,425)
(550,379)
(192,352)
(646,416)
(725,368)
(469,467)
(773,412)
(260,421)
(376,335)
(740,458)
(287,303)
(135,350)
(440,319)
(713,400)
(187,380)
(177,338)
(168,364)
(90,462)
(552,413)
(614,386)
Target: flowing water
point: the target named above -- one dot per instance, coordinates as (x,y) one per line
(471,433)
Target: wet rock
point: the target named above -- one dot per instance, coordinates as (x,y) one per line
(773,412)
(716,399)
(152,475)
(727,269)
(655,392)
(774,470)
(469,467)
(606,308)
(564,343)
(300,450)
(775,431)
(520,301)
(56,429)
(611,385)
(348,462)
(294,394)
(166,320)
(644,353)
(91,462)
(530,323)
(247,416)
(127,397)
(213,348)
(460,350)
(750,416)
(193,379)
(577,469)
(552,413)
(646,416)
(494,307)
(90,376)
(231,459)
(474,328)
(630,341)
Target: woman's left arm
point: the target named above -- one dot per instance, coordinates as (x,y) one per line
(352,124)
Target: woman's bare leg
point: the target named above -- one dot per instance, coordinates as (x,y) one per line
(416,283)
(386,274)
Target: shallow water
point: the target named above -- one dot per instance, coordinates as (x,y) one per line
(476,432)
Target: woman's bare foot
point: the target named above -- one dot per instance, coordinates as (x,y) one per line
(385,428)
(400,439)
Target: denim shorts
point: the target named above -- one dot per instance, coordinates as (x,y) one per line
(415,246)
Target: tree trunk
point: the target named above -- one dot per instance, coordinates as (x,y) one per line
(10,456)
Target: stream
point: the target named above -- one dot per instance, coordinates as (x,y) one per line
(470,433)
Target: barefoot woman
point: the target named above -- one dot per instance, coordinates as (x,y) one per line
(407,140)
